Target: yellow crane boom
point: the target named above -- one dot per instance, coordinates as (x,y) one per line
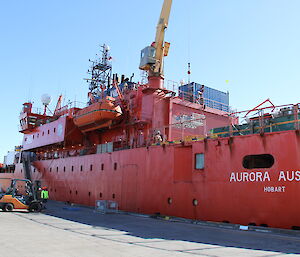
(160,46)
(152,56)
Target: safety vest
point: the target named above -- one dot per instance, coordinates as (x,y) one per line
(44,194)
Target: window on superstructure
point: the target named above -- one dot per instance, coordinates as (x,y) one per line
(91,167)
(115,166)
(102,166)
(72,169)
(48,131)
(199,161)
(54,130)
(81,168)
(43,133)
(258,161)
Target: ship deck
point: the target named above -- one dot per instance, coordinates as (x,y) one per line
(64,230)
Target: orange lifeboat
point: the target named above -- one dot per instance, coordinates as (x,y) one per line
(97,115)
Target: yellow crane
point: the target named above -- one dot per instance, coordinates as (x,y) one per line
(152,57)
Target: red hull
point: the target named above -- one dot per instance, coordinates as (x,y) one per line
(163,179)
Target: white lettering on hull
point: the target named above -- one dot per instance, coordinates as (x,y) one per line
(276,189)
(264,176)
(249,177)
(289,176)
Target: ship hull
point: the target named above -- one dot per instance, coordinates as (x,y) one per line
(163,179)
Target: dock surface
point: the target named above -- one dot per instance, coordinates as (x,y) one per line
(64,230)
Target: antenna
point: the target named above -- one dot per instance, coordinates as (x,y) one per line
(189,72)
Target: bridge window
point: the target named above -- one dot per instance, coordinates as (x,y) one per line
(199,161)
(258,161)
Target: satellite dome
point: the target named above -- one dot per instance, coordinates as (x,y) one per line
(106,48)
(46,99)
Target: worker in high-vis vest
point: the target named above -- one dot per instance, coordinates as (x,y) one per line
(44,194)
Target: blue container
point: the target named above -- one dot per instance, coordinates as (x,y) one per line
(212,97)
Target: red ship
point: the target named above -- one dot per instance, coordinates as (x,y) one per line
(152,150)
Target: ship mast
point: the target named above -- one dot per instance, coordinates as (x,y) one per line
(100,72)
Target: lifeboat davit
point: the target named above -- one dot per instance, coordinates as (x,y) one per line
(97,115)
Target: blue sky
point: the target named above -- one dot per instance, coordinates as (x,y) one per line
(45,47)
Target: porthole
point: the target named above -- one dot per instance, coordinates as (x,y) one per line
(258,161)
(195,202)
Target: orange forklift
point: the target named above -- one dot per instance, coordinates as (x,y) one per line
(21,194)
